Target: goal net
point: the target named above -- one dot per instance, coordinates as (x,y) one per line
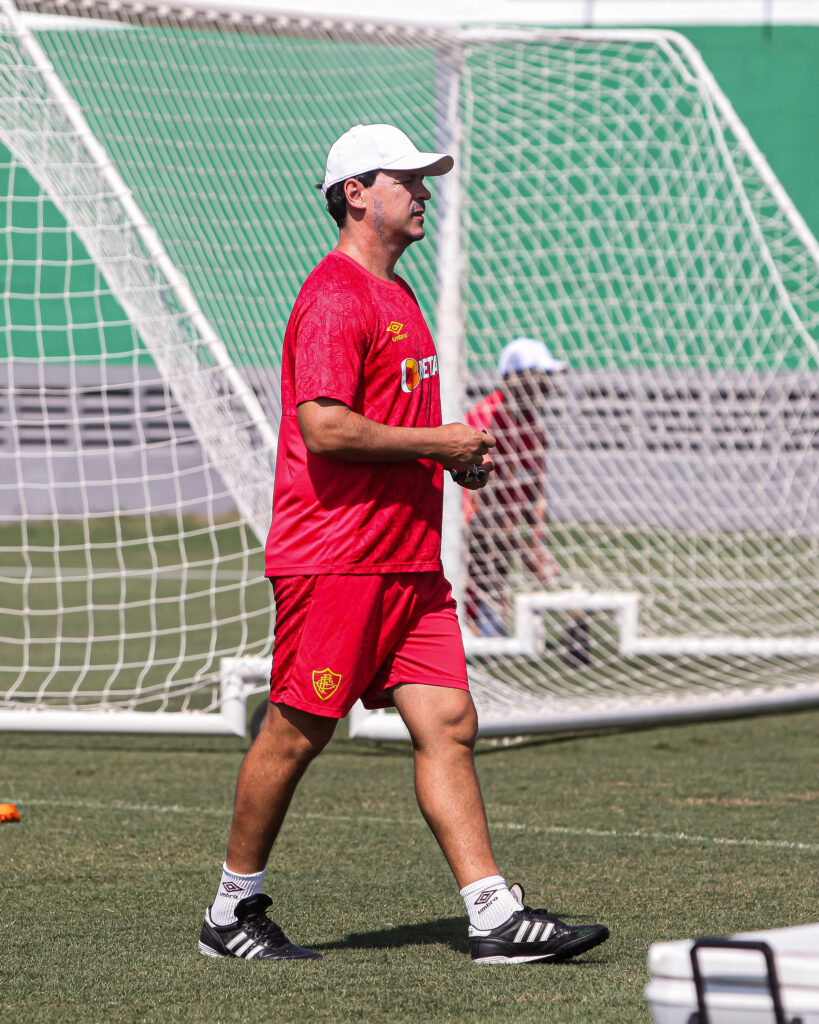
(652,544)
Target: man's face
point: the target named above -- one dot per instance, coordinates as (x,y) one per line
(528,388)
(397,200)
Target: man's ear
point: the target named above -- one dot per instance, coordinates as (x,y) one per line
(355,194)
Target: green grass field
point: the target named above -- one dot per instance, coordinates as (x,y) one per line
(662,833)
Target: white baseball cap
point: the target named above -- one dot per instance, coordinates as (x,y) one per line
(528,354)
(378,147)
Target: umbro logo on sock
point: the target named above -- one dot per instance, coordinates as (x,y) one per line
(485,897)
(231,888)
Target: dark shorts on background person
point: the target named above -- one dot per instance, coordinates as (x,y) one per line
(344,638)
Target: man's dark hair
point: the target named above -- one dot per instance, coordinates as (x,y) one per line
(336,201)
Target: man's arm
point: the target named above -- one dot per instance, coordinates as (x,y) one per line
(538,558)
(331,428)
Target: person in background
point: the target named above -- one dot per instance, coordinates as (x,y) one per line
(508,523)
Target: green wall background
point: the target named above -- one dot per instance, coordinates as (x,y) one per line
(770,75)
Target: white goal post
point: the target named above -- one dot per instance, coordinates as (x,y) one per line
(653,552)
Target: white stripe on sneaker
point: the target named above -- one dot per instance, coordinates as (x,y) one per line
(236,940)
(547,931)
(243,949)
(254,952)
(532,936)
(520,932)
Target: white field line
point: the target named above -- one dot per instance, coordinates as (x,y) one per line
(509,826)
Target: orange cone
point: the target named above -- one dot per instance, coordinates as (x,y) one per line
(8,812)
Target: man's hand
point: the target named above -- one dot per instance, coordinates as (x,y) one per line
(461,447)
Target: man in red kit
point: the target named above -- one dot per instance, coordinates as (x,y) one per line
(362,606)
(508,525)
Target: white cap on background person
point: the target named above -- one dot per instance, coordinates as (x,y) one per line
(528,354)
(379,147)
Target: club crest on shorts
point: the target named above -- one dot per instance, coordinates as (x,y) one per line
(326,682)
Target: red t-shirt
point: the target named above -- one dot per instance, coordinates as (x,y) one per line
(361,340)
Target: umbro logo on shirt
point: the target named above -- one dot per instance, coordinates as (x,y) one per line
(395,328)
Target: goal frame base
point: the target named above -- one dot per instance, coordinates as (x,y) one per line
(229,718)
(385,725)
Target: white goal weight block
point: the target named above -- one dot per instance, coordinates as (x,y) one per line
(527,639)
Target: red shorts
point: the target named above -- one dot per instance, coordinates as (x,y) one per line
(341,638)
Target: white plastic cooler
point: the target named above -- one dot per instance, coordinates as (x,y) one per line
(738,984)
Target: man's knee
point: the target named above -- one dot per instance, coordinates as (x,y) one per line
(295,734)
(441,716)
(458,716)
(462,725)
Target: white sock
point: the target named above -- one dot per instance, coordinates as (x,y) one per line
(232,888)
(489,902)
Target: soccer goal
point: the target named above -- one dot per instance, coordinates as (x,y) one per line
(158,163)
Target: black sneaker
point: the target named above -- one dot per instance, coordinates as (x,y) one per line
(532,935)
(253,937)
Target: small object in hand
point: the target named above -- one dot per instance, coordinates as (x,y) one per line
(8,812)
(473,473)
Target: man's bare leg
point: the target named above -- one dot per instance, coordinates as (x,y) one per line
(287,742)
(443,724)
(236,923)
